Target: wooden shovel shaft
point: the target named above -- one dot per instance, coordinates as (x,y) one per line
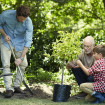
(12,51)
(20,70)
(15,59)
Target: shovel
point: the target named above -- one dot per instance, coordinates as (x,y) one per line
(1,68)
(20,70)
(6,75)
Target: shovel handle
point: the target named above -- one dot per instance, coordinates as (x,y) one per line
(6,74)
(11,50)
(14,57)
(1,68)
(19,69)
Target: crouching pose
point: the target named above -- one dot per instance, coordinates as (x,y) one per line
(95,89)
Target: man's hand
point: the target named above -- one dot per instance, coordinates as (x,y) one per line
(7,38)
(18,62)
(71,65)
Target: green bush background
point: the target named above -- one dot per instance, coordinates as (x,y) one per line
(59,28)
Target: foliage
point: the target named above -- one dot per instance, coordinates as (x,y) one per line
(55,78)
(41,75)
(52,17)
(99,35)
(59,27)
(68,46)
(44,34)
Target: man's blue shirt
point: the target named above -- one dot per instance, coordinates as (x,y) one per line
(20,33)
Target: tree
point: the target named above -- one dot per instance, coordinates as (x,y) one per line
(53,16)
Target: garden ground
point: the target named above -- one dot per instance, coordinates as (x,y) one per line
(42,95)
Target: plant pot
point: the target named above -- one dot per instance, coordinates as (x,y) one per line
(61,93)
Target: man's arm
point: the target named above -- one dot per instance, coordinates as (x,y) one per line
(28,41)
(2,22)
(25,50)
(83,67)
(20,60)
(2,32)
(6,37)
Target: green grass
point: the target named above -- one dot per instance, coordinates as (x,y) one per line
(37,101)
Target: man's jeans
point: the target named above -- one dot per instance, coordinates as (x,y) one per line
(81,77)
(5,58)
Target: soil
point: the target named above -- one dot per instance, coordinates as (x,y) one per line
(39,91)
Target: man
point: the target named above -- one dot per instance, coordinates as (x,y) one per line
(86,57)
(15,27)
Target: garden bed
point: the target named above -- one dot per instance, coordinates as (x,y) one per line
(39,91)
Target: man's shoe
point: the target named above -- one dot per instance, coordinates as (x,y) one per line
(81,95)
(90,98)
(18,90)
(9,93)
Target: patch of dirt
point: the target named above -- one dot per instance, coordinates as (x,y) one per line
(39,91)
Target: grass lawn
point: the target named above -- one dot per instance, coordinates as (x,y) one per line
(38,101)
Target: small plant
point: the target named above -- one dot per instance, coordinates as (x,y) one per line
(67,47)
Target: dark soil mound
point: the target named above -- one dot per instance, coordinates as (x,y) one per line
(39,91)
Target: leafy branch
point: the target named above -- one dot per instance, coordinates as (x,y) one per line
(68,46)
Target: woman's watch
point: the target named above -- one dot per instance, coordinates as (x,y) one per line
(22,58)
